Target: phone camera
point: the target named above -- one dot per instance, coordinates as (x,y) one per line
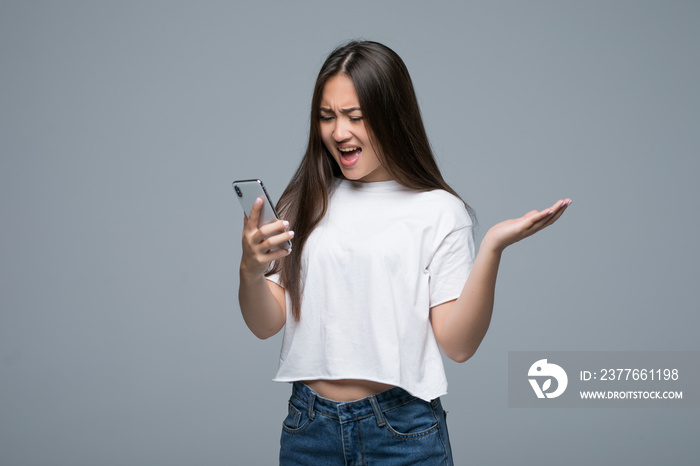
(238,191)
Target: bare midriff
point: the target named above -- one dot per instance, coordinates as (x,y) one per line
(346,389)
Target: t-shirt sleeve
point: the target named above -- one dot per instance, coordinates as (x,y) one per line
(450,266)
(275,278)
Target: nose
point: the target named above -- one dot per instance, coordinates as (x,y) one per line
(341,131)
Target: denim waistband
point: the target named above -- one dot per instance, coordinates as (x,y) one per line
(347,411)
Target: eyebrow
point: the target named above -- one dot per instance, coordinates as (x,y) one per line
(342,110)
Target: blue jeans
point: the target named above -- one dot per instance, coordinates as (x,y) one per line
(390,428)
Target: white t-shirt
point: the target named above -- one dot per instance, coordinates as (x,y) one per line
(382,256)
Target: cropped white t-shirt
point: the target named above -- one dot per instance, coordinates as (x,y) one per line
(382,256)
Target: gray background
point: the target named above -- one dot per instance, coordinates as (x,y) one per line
(122,125)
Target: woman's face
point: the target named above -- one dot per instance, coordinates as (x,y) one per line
(344,134)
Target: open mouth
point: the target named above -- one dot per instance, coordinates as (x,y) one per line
(349,155)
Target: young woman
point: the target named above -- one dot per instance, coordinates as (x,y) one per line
(382,274)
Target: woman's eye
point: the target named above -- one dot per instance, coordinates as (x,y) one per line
(326,118)
(356,118)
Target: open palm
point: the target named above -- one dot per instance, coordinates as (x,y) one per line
(505,233)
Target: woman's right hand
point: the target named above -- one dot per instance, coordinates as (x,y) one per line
(258,242)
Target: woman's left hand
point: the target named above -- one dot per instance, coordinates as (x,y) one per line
(503,234)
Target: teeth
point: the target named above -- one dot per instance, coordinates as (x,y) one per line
(347,149)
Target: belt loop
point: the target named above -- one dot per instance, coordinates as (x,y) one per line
(377,411)
(312,400)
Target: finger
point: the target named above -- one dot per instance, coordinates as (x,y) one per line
(559,209)
(254,214)
(271,229)
(562,204)
(261,260)
(279,253)
(276,240)
(553,215)
(537,217)
(274,227)
(554,207)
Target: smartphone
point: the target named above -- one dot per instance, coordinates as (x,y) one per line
(248,191)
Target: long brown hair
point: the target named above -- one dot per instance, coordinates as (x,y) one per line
(392,118)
